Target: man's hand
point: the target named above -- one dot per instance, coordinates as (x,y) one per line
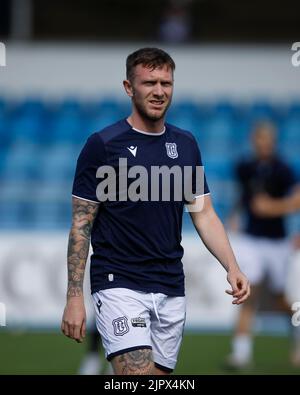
(264,206)
(74,319)
(240,286)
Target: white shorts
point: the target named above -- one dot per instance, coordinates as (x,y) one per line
(259,257)
(128,320)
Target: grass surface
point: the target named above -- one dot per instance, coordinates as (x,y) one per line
(52,353)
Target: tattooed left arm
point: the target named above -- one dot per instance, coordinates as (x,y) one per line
(84,214)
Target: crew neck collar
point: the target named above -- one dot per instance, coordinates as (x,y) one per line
(147,133)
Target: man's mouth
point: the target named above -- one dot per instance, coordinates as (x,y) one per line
(157,102)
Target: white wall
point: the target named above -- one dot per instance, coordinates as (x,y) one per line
(53,70)
(33,279)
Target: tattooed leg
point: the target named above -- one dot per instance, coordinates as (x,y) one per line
(138,362)
(159,372)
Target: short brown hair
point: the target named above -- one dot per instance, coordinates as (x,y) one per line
(148,57)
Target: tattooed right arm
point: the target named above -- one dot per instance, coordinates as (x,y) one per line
(84,214)
(74,317)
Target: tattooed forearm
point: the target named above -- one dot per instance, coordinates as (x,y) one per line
(84,213)
(137,362)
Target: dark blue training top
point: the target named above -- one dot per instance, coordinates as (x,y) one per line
(273,177)
(136,245)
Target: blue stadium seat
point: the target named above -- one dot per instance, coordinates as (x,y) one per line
(21,163)
(26,129)
(99,122)
(217,137)
(219,126)
(185,115)
(31,106)
(189,123)
(66,128)
(108,107)
(103,113)
(3,105)
(218,168)
(294,109)
(13,195)
(224,196)
(184,107)
(69,105)
(48,214)
(28,120)
(224,108)
(10,212)
(289,142)
(261,109)
(65,123)
(5,131)
(58,164)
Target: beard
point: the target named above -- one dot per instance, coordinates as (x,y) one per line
(147,114)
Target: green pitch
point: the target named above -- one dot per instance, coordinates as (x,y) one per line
(52,353)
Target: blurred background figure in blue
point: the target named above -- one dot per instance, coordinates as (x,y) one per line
(175,26)
(263,249)
(93,362)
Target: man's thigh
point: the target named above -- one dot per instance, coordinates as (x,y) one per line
(137,362)
(278,254)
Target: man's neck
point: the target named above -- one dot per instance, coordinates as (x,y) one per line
(146,125)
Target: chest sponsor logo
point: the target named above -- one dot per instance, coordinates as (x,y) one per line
(120,325)
(138,322)
(172,150)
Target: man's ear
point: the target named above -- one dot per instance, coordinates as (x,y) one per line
(128,87)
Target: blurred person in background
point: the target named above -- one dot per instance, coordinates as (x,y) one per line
(137,276)
(92,363)
(175,27)
(263,248)
(266,206)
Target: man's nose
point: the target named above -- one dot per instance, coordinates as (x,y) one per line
(158,90)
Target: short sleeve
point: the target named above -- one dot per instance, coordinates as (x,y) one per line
(90,159)
(199,182)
